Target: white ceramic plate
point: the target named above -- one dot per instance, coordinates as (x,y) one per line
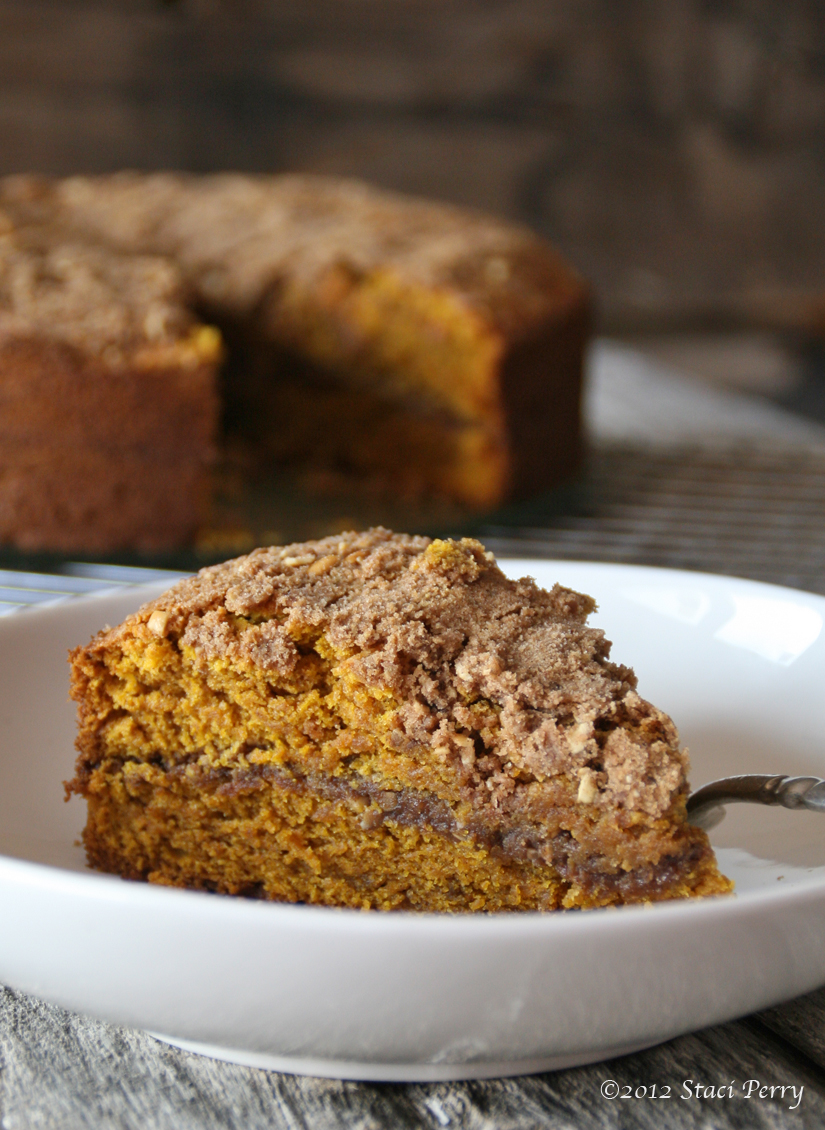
(740,666)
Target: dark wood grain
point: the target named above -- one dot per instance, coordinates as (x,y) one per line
(62,1070)
(801,1023)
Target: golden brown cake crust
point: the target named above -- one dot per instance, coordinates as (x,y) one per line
(413,681)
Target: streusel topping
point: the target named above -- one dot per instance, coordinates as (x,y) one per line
(437,625)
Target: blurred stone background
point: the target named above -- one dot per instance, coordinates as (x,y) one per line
(675,149)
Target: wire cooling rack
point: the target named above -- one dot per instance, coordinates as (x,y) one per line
(19,589)
(750,511)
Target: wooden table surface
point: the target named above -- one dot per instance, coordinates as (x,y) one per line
(65,1071)
(746,507)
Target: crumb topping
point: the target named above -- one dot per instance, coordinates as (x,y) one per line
(237,237)
(438,626)
(89,296)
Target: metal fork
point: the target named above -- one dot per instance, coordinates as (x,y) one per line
(706,806)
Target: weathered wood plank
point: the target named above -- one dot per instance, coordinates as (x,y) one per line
(62,1070)
(802,1023)
(674,151)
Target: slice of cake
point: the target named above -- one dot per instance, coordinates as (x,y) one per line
(376,720)
(108,403)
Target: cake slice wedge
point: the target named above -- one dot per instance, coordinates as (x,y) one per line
(380,721)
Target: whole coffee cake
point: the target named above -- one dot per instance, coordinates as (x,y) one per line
(380,721)
(372,338)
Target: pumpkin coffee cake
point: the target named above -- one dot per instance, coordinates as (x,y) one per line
(380,721)
(372,340)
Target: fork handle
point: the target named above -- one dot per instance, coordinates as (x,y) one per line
(705,807)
